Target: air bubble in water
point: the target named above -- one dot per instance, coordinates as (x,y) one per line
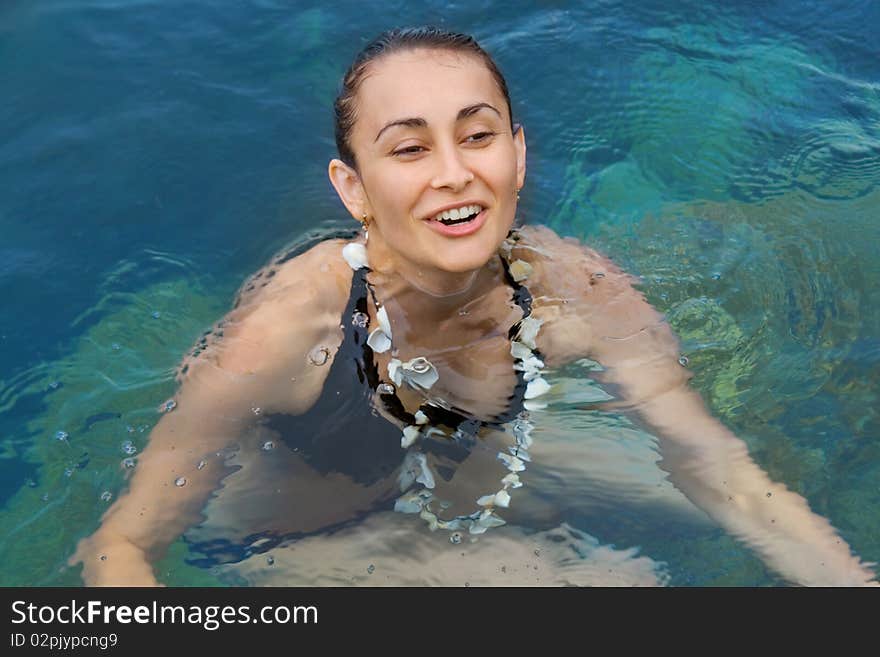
(129,448)
(270,560)
(128,463)
(268,446)
(155,314)
(370,569)
(55,385)
(455,539)
(129,428)
(106,496)
(115,346)
(169,406)
(716,276)
(683,361)
(319,355)
(360,319)
(45,497)
(62,435)
(256,410)
(201,464)
(180,481)
(68,472)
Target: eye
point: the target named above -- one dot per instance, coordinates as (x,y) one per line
(480,136)
(409,150)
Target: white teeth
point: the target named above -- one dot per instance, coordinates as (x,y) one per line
(458,213)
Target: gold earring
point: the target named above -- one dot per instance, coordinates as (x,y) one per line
(365,221)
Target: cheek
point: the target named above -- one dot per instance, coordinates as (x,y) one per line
(501,171)
(386,195)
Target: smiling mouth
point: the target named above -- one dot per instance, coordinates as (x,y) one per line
(458,215)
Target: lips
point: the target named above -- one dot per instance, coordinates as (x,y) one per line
(461,228)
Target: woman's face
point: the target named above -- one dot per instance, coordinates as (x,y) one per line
(432,134)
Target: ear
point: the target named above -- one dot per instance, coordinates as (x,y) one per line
(347,184)
(519,144)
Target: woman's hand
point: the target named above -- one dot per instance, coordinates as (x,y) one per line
(112,560)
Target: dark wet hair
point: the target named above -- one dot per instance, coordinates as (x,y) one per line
(399,40)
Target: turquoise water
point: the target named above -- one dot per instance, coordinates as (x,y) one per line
(153,154)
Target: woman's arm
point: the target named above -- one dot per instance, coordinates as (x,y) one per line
(606,319)
(262,362)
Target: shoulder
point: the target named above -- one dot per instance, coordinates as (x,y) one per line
(564,265)
(285,309)
(319,270)
(582,296)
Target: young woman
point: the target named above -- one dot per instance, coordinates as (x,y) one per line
(376,397)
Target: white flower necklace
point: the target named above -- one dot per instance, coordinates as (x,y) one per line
(419,373)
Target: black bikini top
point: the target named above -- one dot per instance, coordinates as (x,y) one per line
(458,420)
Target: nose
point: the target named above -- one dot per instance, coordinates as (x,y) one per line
(452,172)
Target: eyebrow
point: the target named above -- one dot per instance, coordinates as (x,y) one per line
(419,122)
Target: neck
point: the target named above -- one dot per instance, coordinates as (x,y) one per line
(421,285)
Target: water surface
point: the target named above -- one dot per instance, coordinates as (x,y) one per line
(154,154)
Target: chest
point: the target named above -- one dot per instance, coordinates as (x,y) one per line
(472,359)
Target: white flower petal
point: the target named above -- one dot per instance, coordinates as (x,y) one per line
(424,476)
(513,464)
(430,518)
(536,388)
(409,469)
(408,504)
(431,431)
(522,429)
(421,418)
(419,372)
(405,479)
(524,440)
(532,405)
(530,364)
(378,341)
(512,480)
(355,255)
(452,525)
(528,331)
(394,371)
(384,324)
(502,499)
(424,381)
(520,270)
(486,500)
(520,453)
(488,519)
(409,436)
(519,350)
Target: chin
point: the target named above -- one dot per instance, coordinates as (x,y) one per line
(467,259)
